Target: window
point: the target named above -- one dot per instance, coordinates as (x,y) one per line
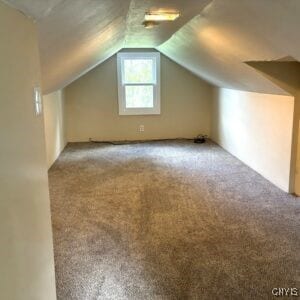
(139,83)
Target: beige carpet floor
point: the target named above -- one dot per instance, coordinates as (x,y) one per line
(169,220)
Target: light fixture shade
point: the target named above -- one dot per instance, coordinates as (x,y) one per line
(161,16)
(150,24)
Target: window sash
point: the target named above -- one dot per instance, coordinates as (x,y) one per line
(127,100)
(155,57)
(136,84)
(140,84)
(154,68)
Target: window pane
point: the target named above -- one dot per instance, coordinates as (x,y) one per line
(139,96)
(138,71)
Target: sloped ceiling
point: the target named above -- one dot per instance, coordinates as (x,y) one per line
(215,44)
(212,38)
(77,35)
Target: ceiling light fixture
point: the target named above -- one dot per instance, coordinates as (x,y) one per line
(150,24)
(159,16)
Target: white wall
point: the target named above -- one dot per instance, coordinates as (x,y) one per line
(257,129)
(54,112)
(295,163)
(26,249)
(92,106)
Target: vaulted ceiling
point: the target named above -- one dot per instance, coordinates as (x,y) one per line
(212,38)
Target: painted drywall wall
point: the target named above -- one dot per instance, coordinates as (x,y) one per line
(54,112)
(286,74)
(26,250)
(295,165)
(257,129)
(92,106)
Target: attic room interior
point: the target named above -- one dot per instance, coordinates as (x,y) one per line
(150,149)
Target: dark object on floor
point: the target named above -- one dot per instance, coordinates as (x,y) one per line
(200,139)
(169,220)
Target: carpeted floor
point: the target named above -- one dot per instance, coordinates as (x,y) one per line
(169,220)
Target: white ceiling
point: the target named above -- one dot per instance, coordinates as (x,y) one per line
(215,44)
(137,36)
(77,35)
(211,39)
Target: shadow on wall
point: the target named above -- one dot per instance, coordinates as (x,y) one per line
(253,126)
(54,123)
(286,74)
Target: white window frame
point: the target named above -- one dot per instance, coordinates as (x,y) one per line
(123,110)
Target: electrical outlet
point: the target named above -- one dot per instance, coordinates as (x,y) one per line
(141,128)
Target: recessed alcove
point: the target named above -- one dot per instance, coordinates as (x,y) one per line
(285,73)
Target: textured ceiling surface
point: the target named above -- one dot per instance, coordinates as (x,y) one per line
(215,44)
(138,36)
(77,35)
(212,38)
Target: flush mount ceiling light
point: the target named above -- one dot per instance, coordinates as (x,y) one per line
(159,16)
